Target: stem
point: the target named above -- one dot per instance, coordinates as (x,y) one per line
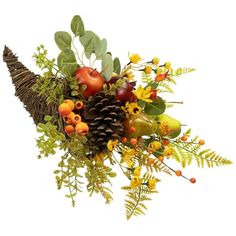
(76,51)
(136,205)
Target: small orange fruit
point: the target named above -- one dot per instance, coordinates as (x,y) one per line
(132,130)
(76,119)
(184,138)
(133,141)
(201,142)
(69,129)
(64,109)
(82,128)
(150,161)
(79,105)
(124,139)
(165,142)
(178,172)
(193,180)
(68,119)
(161,158)
(70,103)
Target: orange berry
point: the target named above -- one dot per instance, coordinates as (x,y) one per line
(76,119)
(69,129)
(124,139)
(68,119)
(201,142)
(82,128)
(184,138)
(64,109)
(193,180)
(70,103)
(161,158)
(132,130)
(165,142)
(178,172)
(150,161)
(133,141)
(79,105)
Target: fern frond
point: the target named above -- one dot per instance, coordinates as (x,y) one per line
(184,153)
(181,71)
(164,87)
(158,166)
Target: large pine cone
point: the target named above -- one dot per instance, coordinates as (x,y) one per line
(104,117)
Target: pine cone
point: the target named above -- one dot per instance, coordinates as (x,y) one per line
(104,117)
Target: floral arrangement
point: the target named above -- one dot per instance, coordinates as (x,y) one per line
(98,114)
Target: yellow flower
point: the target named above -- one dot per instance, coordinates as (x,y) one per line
(167,65)
(154,146)
(143,94)
(135,183)
(168,151)
(152,184)
(129,75)
(148,70)
(131,108)
(164,128)
(135,58)
(111,145)
(137,171)
(127,156)
(155,61)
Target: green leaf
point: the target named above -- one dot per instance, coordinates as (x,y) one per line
(77,26)
(90,42)
(101,49)
(157,107)
(66,62)
(107,66)
(63,40)
(116,65)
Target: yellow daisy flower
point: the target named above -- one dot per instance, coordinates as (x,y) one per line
(111,145)
(168,151)
(131,108)
(154,146)
(143,94)
(135,183)
(152,184)
(137,171)
(127,156)
(135,58)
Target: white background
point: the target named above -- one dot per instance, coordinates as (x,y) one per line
(199,34)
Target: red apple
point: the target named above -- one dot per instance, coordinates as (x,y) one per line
(124,93)
(91,78)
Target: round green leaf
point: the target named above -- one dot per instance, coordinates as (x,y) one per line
(116,65)
(156,107)
(77,26)
(107,66)
(101,49)
(63,40)
(90,42)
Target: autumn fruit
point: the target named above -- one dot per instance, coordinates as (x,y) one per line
(168,126)
(124,139)
(178,172)
(70,103)
(153,94)
(133,141)
(76,119)
(124,93)
(68,118)
(69,129)
(91,78)
(79,105)
(143,125)
(82,128)
(184,138)
(150,161)
(201,142)
(193,180)
(64,109)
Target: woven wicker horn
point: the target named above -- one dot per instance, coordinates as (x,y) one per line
(23,80)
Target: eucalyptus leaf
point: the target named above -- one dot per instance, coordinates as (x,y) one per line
(156,107)
(66,62)
(63,40)
(90,42)
(101,49)
(77,26)
(107,66)
(116,65)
